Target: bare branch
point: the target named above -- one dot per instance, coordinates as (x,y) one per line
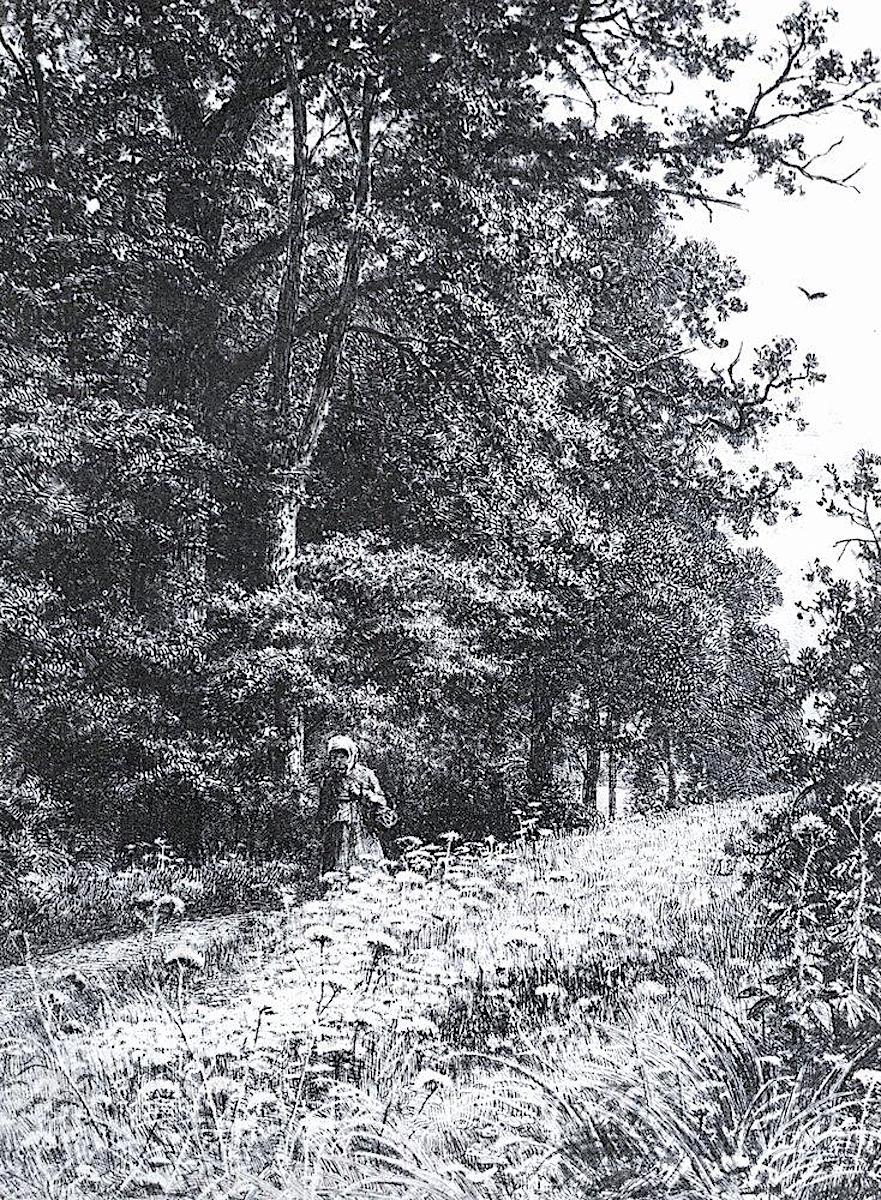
(17,63)
(345,117)
(804,169)
(810,111)
(657,362)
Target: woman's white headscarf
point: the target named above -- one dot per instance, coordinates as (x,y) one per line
(339,741)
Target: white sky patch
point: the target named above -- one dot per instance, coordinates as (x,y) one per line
(827,240)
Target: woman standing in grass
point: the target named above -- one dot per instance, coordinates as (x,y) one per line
(351,808)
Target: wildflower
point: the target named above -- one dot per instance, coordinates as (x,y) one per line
(735,1162)
(549,991)
(526,937)
(419,1025)
(383,943)
(432,1079)
(55,999)
(185,956)
(651,989)
(810,825)
(410,877)
(321,934)
(696,968)
(158,1087)
(222,1085)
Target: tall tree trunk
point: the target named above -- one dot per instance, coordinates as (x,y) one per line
(540,762)
(295,449)
(672,791)
(286,480)
(501,820)
(184,346)
(286,476)
(185,352)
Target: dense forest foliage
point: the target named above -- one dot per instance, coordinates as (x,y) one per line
(354,375)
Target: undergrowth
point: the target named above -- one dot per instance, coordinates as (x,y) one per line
(71,904)
(567,1018)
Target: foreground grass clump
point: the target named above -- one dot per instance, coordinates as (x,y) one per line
(560,1019)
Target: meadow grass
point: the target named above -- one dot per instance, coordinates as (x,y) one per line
(563,1018)
(92,901)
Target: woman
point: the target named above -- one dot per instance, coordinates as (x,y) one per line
(351,807)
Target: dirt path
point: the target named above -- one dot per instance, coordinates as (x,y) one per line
(233,947)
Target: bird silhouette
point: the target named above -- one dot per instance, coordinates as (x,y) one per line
(813,295)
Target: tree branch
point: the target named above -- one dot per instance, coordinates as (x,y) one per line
(804,169)
(292,275)
(313,423)
(749,125)
(344,117)
(255,87)
(182,104)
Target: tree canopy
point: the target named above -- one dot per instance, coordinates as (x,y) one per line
(348,378)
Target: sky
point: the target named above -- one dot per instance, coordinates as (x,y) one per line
(827,240)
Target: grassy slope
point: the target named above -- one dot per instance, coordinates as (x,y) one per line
(561,1019)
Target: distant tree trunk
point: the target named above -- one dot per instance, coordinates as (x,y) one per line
(540,762)
(191,555)
(672,791)
(591,778)
(500,816)
(613,768)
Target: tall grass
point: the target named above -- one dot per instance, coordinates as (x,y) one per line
(560,1020)
(67,905)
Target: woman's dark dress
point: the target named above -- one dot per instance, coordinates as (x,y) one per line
(350,806)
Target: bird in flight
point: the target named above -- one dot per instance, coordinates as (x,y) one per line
(813,295)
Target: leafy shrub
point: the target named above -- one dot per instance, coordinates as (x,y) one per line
(817,859)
